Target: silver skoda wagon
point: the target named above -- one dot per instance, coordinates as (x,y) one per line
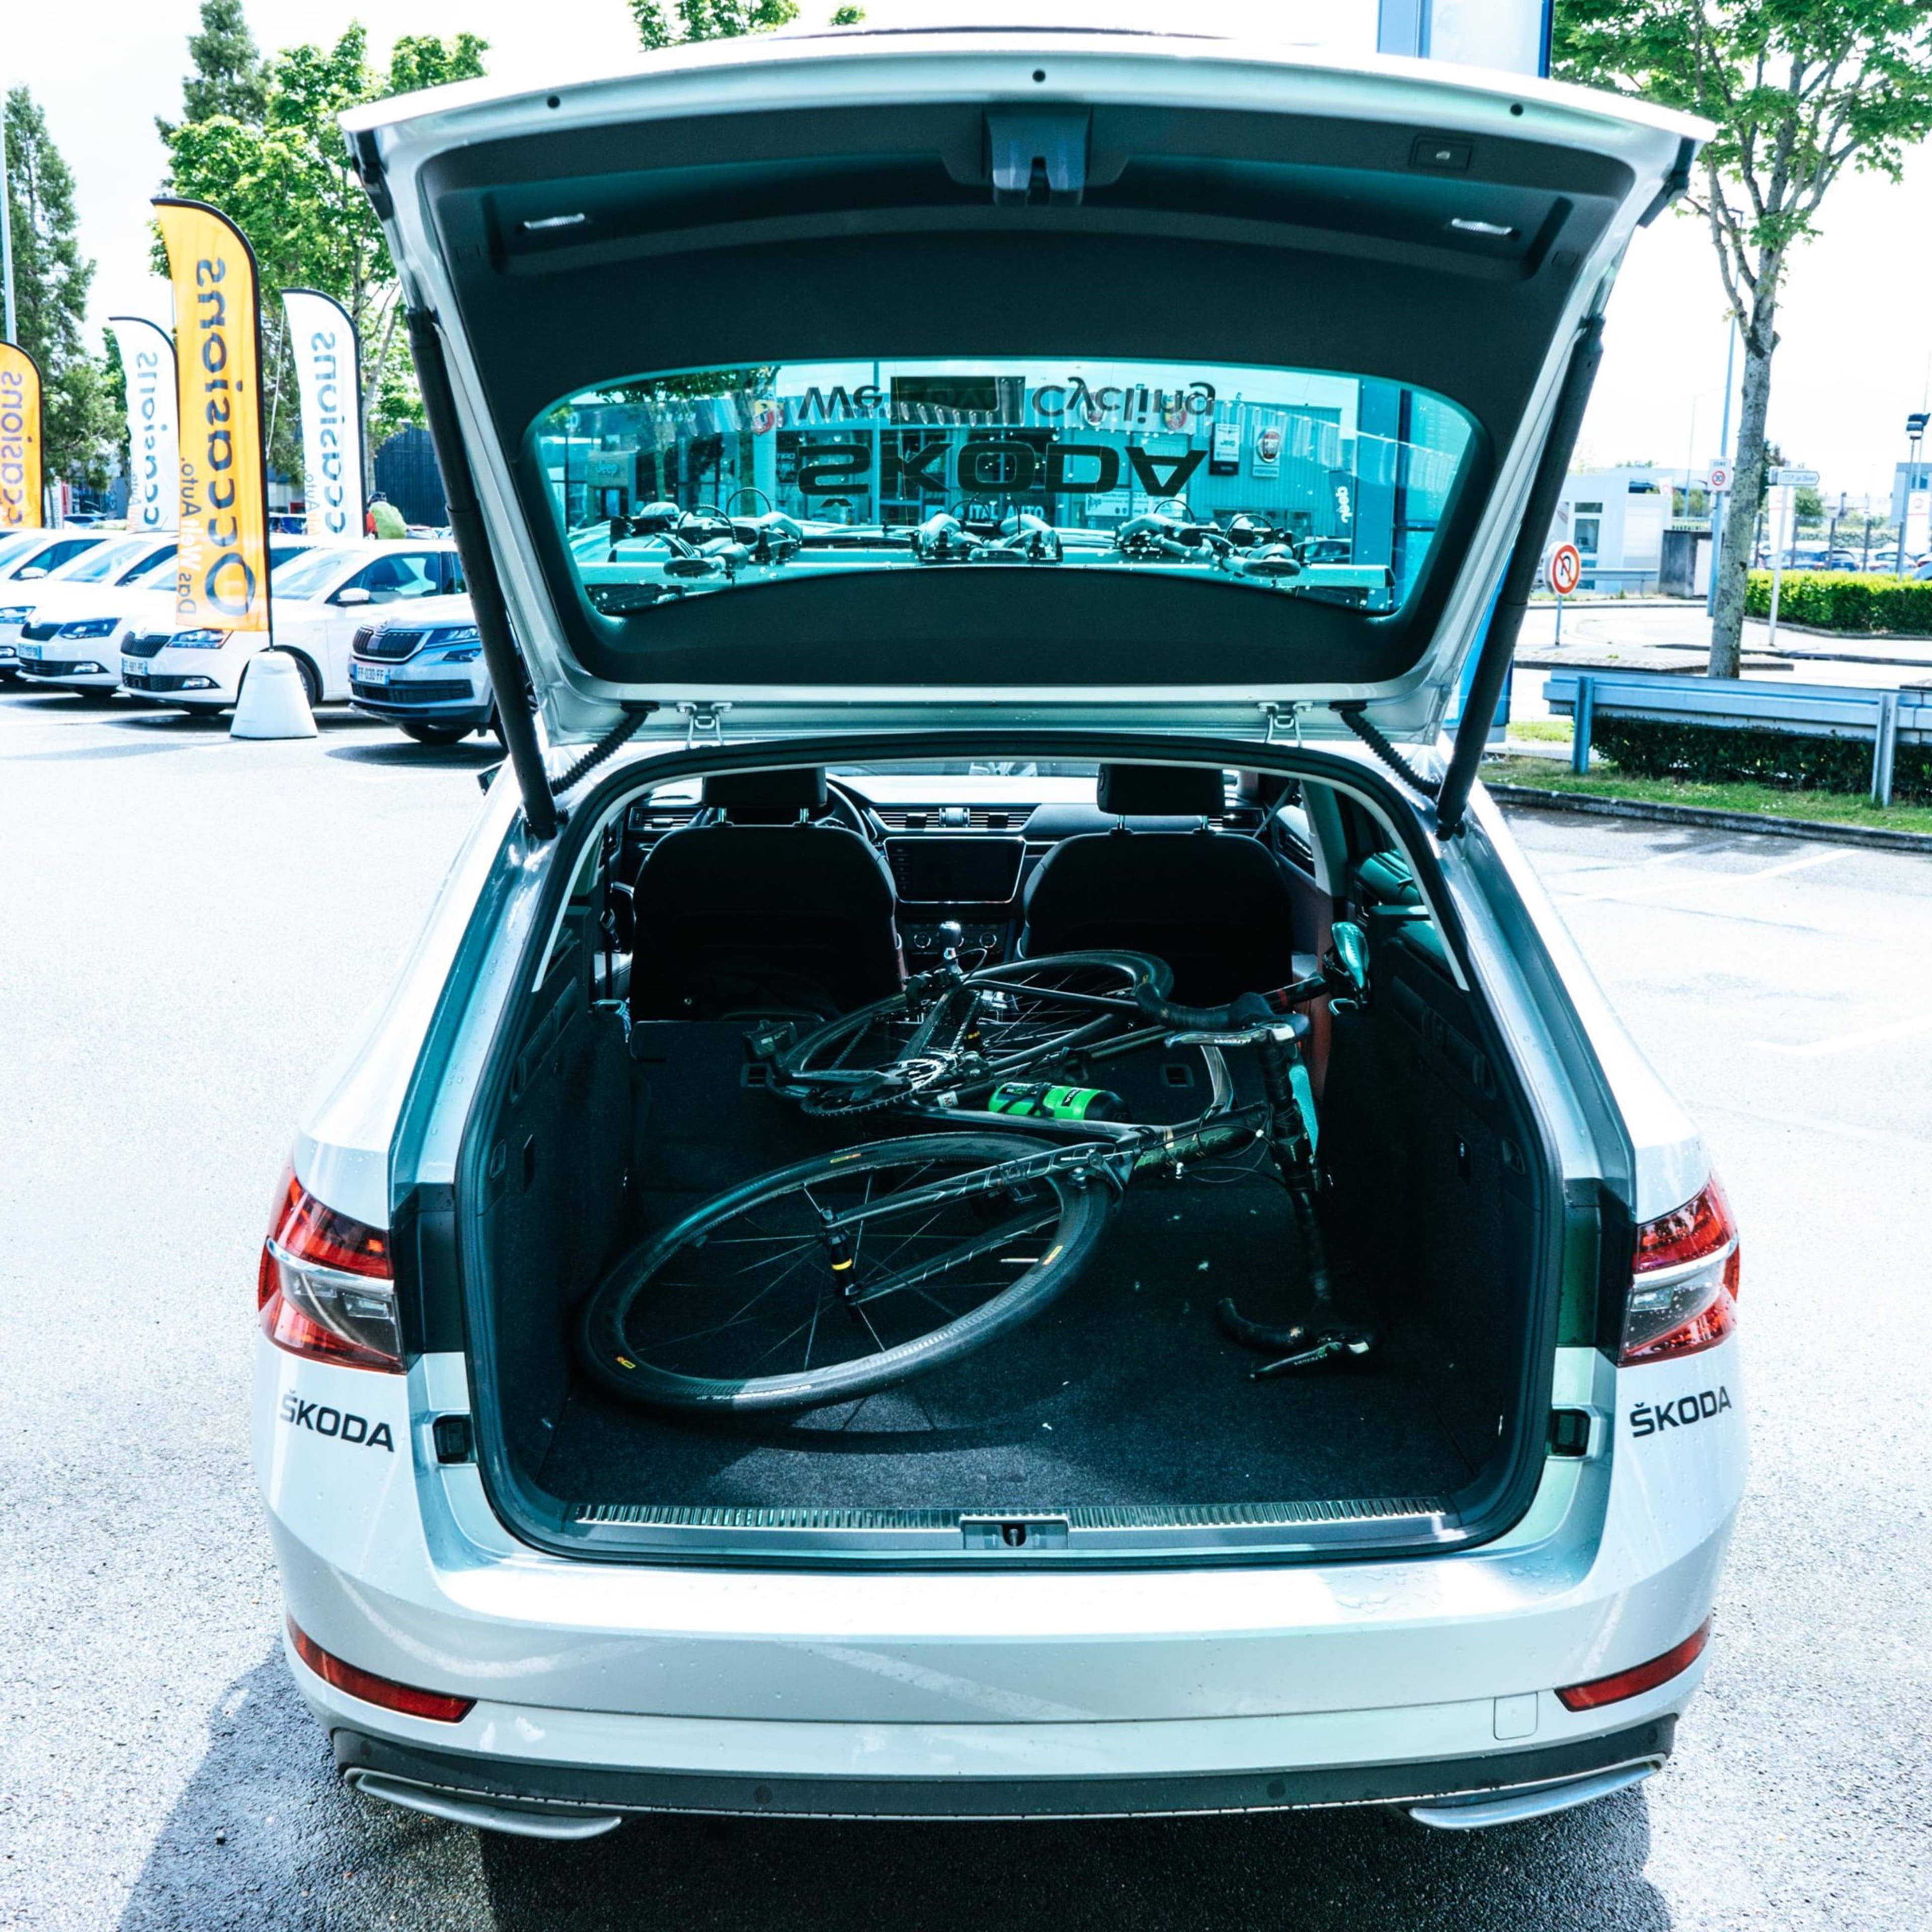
(992,1191)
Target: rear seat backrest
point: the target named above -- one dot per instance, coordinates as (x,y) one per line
(1215,905)
(767,912)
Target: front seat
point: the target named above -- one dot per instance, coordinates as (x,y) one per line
(1214,905)
(769,909)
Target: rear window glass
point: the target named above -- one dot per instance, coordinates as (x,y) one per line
(1281,482)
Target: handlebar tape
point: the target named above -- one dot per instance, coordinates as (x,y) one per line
(1248,1010)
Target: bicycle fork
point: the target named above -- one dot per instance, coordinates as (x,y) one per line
(1323,1333)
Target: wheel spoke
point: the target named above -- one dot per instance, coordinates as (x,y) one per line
(959,1256)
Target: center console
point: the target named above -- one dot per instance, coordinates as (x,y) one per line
(972,878)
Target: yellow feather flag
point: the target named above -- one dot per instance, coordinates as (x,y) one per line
(21,495)
(221,570)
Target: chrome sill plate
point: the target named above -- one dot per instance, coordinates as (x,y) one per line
(1114,1531)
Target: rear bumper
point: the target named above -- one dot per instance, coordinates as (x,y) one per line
(462,1775)
(990,1693)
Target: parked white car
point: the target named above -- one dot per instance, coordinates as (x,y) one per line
(422,669)
(696,1370)
(317,602)
(28,558)
(83,614)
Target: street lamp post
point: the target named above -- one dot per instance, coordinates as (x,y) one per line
(1915,431)
(1721,501)
(6,232)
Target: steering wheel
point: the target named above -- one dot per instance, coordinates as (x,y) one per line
(855,814)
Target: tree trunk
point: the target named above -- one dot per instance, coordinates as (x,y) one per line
(1741,509)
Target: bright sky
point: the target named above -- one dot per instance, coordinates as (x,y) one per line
(1857,326)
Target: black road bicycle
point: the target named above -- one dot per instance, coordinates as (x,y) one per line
(849,1272)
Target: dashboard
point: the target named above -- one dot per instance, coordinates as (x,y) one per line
(967,863)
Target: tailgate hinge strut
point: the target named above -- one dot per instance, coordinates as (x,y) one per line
(1496,656)
(507,675)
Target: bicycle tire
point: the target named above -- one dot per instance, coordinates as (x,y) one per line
(802,1072)
(619,1363)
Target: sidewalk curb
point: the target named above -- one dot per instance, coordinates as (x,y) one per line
(1853,637)
(1532,798)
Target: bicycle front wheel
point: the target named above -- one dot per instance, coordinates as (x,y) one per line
(839,1276)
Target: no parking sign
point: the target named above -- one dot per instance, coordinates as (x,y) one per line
(1564,569)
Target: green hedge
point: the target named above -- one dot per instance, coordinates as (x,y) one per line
(1845,600)
(1649,748)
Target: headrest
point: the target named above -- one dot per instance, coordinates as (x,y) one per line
(766,798)
(1155,791)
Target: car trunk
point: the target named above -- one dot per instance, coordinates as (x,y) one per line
(1013,382)
(1121,1421)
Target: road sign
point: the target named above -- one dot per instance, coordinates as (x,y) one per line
(1794,479)
(1565,569)
(1719,481)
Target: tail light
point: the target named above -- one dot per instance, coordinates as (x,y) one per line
(1640,1678)
(325,1287)
(373,1689)
(1684,1281)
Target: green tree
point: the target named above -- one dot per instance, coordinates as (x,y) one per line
(1799,91)
(82,416)
(669,23)
(227,78)
(418,60)
(285,180)
(847,17)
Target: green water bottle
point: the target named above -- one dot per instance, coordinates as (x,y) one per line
(1037,1100)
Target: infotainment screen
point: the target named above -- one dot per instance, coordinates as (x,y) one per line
(934,870)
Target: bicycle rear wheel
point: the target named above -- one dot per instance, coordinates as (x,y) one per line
(998,1023)
(838,1277)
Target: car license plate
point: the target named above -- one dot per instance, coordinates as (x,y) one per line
(132,675)
(371,674)
(30,653)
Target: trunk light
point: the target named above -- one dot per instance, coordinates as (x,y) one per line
(1642,1677)
(1684,1281)
(374,1690)
(324,1287)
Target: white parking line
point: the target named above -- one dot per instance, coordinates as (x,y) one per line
(1803,862)
(1847,1042)
(1634,875)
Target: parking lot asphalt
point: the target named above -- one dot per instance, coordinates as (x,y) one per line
(188,929)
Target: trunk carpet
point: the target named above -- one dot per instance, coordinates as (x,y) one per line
(1124,1391)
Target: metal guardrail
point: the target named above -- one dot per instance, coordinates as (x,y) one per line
(1618,577)
(1883,718)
